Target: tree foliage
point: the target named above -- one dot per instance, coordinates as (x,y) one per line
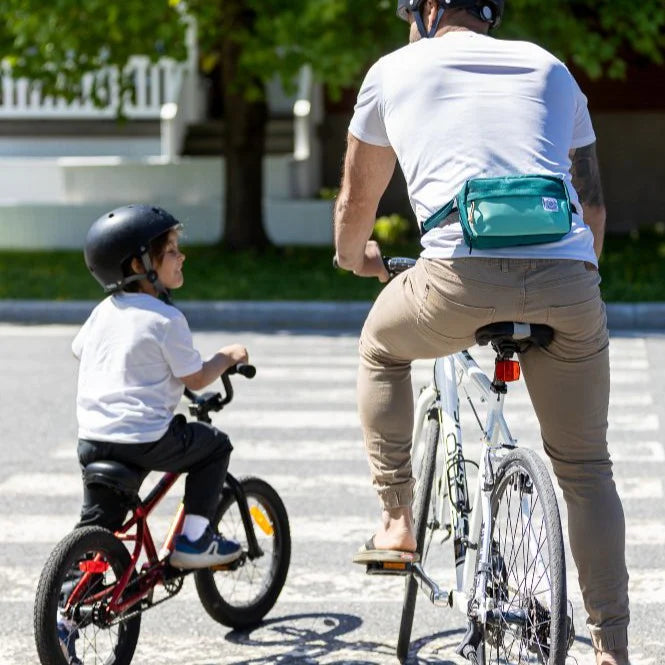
(57,42)
(599,36)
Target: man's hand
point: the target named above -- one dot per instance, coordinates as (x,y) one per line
(373,265)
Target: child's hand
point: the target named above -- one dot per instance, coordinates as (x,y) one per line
(210,371)
(236,353)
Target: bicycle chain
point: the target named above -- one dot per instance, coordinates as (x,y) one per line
(172,586)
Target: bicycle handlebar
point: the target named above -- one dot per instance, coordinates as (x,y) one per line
(203,404)
(248,371)
(397,264)
(394,265)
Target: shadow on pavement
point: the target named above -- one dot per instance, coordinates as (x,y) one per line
(328,637)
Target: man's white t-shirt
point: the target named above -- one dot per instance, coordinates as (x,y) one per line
(132,348)
(465,105)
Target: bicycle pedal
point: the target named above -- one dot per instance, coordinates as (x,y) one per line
(389,568)
(240,561)
(222,566)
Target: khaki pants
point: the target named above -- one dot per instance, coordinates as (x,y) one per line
(434,310)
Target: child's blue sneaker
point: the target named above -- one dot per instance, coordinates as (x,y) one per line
(67,637)
(210,549)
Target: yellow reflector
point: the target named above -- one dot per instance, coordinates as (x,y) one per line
(261,520)
(388,565)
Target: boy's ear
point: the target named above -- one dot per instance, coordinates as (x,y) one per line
(137,266)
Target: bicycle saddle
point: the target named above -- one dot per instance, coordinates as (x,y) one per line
(123,478)
(508,337)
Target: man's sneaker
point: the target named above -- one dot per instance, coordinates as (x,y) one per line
(67,636)
(210,549)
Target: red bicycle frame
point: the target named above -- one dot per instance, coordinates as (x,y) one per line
(152,570)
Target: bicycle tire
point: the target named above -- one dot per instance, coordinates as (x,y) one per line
(59,577)
(216,589)
(526,522)
(421,506)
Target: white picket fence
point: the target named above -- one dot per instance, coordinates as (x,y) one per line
(154,84)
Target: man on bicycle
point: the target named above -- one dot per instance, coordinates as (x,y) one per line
(452,106)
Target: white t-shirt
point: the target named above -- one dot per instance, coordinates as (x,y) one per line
(464,106)
(132,348)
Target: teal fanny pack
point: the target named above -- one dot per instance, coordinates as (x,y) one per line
(508,211)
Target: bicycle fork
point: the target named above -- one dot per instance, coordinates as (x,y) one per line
(253,549)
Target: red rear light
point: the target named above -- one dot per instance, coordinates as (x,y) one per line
(93,566)
(507,370)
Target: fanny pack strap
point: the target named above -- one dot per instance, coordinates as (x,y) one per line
(438,217)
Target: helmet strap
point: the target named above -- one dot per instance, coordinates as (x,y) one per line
(148,273)
(151,275)
(435,26)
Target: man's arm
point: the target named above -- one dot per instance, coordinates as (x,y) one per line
(367,172)
(586,180)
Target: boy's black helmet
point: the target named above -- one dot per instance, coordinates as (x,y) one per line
(489,11)
(120,235)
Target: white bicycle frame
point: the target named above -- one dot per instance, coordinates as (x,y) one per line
(469,596)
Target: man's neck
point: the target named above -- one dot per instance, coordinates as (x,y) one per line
(453,28)
(461,21)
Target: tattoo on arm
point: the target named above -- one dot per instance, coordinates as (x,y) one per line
(586,176)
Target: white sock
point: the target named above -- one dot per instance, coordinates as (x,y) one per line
(194,526)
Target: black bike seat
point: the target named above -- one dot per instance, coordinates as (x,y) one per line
(510,336)
(116,475)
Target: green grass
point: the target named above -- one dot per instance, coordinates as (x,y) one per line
(632,267)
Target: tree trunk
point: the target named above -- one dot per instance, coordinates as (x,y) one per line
(244,144)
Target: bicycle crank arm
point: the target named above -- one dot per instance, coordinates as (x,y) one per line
(437,596)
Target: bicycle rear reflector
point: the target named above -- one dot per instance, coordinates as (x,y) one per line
(93,566)
(261,520)
(507,370)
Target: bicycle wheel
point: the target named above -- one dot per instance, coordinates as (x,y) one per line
(527,579)
(240,598)
(424,473)
(86,631)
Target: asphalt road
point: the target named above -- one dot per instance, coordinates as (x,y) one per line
(296,426)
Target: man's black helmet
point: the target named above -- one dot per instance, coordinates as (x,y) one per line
(489,11)
(119,235)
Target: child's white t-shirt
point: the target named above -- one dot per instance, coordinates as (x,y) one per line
(132,348)
(464,106)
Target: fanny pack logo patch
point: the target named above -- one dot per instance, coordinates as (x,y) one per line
(550,204)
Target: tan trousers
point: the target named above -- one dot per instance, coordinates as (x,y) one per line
(434,310)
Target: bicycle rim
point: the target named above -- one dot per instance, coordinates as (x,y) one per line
(240,598)
(84,628)
(527,581)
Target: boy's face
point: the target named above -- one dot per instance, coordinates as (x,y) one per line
(169,267)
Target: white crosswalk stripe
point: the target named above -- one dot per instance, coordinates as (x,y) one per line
(297,426)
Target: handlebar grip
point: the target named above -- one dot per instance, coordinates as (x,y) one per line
(248,371)
(398,264)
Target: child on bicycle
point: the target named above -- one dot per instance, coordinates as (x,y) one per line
(136,358)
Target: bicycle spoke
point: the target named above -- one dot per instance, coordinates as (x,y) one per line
(520,580)
(251,580)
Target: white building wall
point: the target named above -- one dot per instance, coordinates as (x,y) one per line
(50,203)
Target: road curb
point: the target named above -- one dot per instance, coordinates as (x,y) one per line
(283,315)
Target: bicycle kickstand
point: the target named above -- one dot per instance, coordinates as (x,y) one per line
(468,647)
